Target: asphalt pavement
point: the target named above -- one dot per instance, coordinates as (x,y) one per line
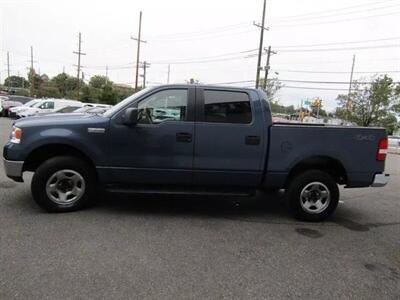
(147,247)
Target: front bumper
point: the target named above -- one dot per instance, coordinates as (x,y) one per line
(380,180)
(13,169)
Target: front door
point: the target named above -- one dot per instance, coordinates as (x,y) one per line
(159,149)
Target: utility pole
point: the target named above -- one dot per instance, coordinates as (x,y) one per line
(260,48)
(349,104)
(267,66)
(301,111)
(107,72)
(138,50)
(169,71)
(79,53)
(8,70)
(8,64)
(32,76)
(144,65)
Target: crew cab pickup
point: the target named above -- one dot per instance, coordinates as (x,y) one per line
(193,139)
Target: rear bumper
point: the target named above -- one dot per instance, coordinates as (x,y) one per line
(380,180)
(13,169)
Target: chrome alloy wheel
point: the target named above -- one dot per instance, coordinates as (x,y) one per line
(315,197)
(65,187)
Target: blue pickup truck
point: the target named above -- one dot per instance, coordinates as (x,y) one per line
(193,139)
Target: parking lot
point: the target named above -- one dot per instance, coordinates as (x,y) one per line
(199,247)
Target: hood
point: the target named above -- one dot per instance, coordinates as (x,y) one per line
(17,108)
(56,120)
(30,110)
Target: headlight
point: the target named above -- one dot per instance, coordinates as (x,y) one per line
(16,135)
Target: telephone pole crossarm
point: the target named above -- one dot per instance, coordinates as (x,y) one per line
(260,26)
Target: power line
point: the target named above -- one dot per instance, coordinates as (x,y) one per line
(308,62)
(335,72)
(334,14)
(312,88)
(207,57)
(302,81)
(336,21)
(199,32)
(212,36)
(334,10)
(328,82)
(234,82)
(339,43)
(199,61)
(341,49)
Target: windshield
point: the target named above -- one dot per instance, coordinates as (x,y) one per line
(36,104)
(83,109)
(30,103)
(124,102)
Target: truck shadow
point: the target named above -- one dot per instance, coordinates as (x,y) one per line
(260,208)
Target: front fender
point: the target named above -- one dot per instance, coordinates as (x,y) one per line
(90,145)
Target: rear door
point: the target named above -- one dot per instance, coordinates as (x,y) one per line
(229,145)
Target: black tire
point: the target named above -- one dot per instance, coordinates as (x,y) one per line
(319,180)
(46,171)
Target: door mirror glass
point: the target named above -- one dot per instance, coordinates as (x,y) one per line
(130,116)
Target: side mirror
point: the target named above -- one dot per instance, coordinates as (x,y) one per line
(130,116)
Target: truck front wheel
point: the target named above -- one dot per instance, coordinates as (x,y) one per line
(312,195)
(63,184)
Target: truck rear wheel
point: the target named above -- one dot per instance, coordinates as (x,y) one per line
(63,184)
(313,195)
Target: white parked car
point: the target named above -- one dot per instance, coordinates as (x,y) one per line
(12,112)
(46,106)
(394,144)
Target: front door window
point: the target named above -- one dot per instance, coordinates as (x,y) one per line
(167,105)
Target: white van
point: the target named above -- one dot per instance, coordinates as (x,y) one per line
(46,106)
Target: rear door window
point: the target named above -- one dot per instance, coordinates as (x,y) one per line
(227,107)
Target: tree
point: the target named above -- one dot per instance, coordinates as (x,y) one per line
(71,83)
(371,105)
(273,87)
(192,81)
(16,82)
(98,81)
(108,95)
(60,81)
(277,108)
(49,90)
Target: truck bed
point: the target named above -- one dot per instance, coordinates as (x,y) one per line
(355,148)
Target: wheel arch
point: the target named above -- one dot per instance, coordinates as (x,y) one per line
(327,164)
(44,152)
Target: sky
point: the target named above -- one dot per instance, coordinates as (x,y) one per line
(211,41)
